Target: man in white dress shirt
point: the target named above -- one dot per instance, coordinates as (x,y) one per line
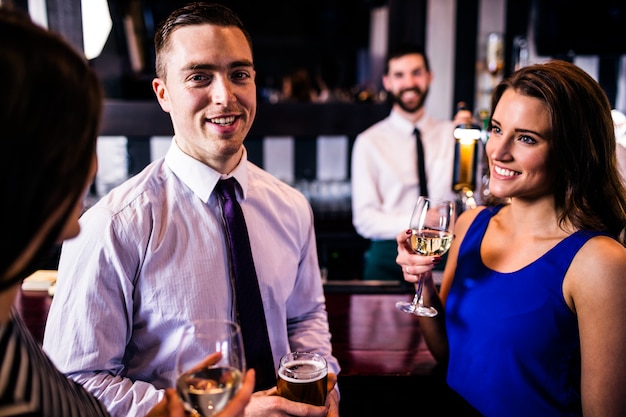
(153,256)
(385,183)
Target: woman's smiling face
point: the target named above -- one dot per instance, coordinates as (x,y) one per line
(518,148)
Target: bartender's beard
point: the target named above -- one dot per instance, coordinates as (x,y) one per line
(397,99)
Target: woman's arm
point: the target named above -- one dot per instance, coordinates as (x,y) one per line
(595,288)
(413,265)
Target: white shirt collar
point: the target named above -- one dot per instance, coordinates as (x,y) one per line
(199,177)
(406,125)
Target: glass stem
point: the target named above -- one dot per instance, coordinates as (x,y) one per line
(418,300)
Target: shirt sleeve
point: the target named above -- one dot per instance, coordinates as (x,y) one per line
(89,323)
(375,214)
(307,318)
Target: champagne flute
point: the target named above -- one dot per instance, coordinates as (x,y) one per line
(210,364)
(432,226)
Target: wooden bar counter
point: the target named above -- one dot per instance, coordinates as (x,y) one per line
(386,366)
(371,337)
(34,306)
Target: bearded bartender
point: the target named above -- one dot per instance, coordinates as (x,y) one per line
(384,169)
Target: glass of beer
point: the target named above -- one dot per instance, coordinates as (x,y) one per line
(303,377)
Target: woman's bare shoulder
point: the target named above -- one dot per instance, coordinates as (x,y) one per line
(599,268)
(465,219)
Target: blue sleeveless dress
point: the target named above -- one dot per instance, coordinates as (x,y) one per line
(514,345)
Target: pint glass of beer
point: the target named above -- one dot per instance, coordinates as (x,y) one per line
(303,377)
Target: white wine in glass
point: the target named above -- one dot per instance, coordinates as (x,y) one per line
(206,386)
(432,227)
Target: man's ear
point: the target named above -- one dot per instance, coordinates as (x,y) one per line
(160,90)
(385,81)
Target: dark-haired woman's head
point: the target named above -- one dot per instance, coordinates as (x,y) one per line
(582,149)
(50,111)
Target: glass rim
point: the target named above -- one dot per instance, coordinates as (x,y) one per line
(195,324)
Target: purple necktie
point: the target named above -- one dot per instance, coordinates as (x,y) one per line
(249,303)
(421,167)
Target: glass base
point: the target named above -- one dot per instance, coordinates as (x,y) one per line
(417,310)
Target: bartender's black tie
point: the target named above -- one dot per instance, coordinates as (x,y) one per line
(421,168)
(249,303)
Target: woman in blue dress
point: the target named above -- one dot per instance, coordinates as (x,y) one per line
(533,296)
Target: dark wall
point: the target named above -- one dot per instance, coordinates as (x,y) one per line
(588,28)
(317,35)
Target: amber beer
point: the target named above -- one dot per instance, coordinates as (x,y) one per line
(303,377)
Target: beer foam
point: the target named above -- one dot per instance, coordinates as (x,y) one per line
(313,371)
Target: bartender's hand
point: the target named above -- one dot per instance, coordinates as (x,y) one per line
(463,115)
(413,265)
(269,404)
